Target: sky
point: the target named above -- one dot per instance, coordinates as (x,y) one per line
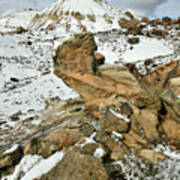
(150,8)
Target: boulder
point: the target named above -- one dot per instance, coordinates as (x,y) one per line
(134,140)
(76,55)
(151,155)
(9,159)
(129,15)
(133,40)
(99,59)
(116,151)
(77,166)
(52,142)
(109,121)
(76,64)
(149,122)
(172,129)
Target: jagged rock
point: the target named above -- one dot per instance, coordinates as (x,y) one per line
(121,75)
(133,40)
(87,129)
(109,121)
(158,32)
(148,121)
(172,129)
(151,155)
(167,20)
(174,83)
(52,142)
(129,15)
(93,148)
(100,59)
(95,85)
(114,171)
(163,74)
(134,140)
(126,109)
(117,151)
(9,160)
(145,19)
(77,166)
(76,55)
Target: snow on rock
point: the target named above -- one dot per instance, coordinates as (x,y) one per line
(34,166)
(78,15)
(99,153)
(147,48)
(119,115)
(13,20)
(12,149)
(32,95)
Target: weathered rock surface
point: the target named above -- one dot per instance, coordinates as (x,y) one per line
(9,160)
(77,166)
(119,111)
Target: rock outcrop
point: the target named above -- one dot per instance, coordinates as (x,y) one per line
(119,112)
(123,100)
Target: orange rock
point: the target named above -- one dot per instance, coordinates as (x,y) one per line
(149,122)
(151,155)
(172,129)
(134,140)
(63,137)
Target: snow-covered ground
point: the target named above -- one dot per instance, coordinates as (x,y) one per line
(34,166)
(27,77)
(13,20)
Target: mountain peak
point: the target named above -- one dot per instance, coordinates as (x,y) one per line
(78,15)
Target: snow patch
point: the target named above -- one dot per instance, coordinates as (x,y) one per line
(99,153)
(11,150)
(119,115)
(145,49)
(34,166)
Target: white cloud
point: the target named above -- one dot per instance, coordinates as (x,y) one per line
(170,8)
(138,7)
(22,4)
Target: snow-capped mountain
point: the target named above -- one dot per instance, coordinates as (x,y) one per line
(78,15)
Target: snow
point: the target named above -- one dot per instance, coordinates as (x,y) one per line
(34,166)
(11,150)
(117,134)
(100,10)
(87,140)
(43,166)
(9,47)
(13,20)
(119,115)
(99,153)
(147,48)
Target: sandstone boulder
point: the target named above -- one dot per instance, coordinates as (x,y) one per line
(151,155)
(52,142)
(149,122)
(77,166)
(109,121)
(172,129)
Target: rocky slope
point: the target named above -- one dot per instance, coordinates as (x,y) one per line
(112,106)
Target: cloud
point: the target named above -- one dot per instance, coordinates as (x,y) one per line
(151,8)
(23,4)
(170,8)
(138,7)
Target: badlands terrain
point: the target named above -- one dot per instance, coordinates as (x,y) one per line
(89,93)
